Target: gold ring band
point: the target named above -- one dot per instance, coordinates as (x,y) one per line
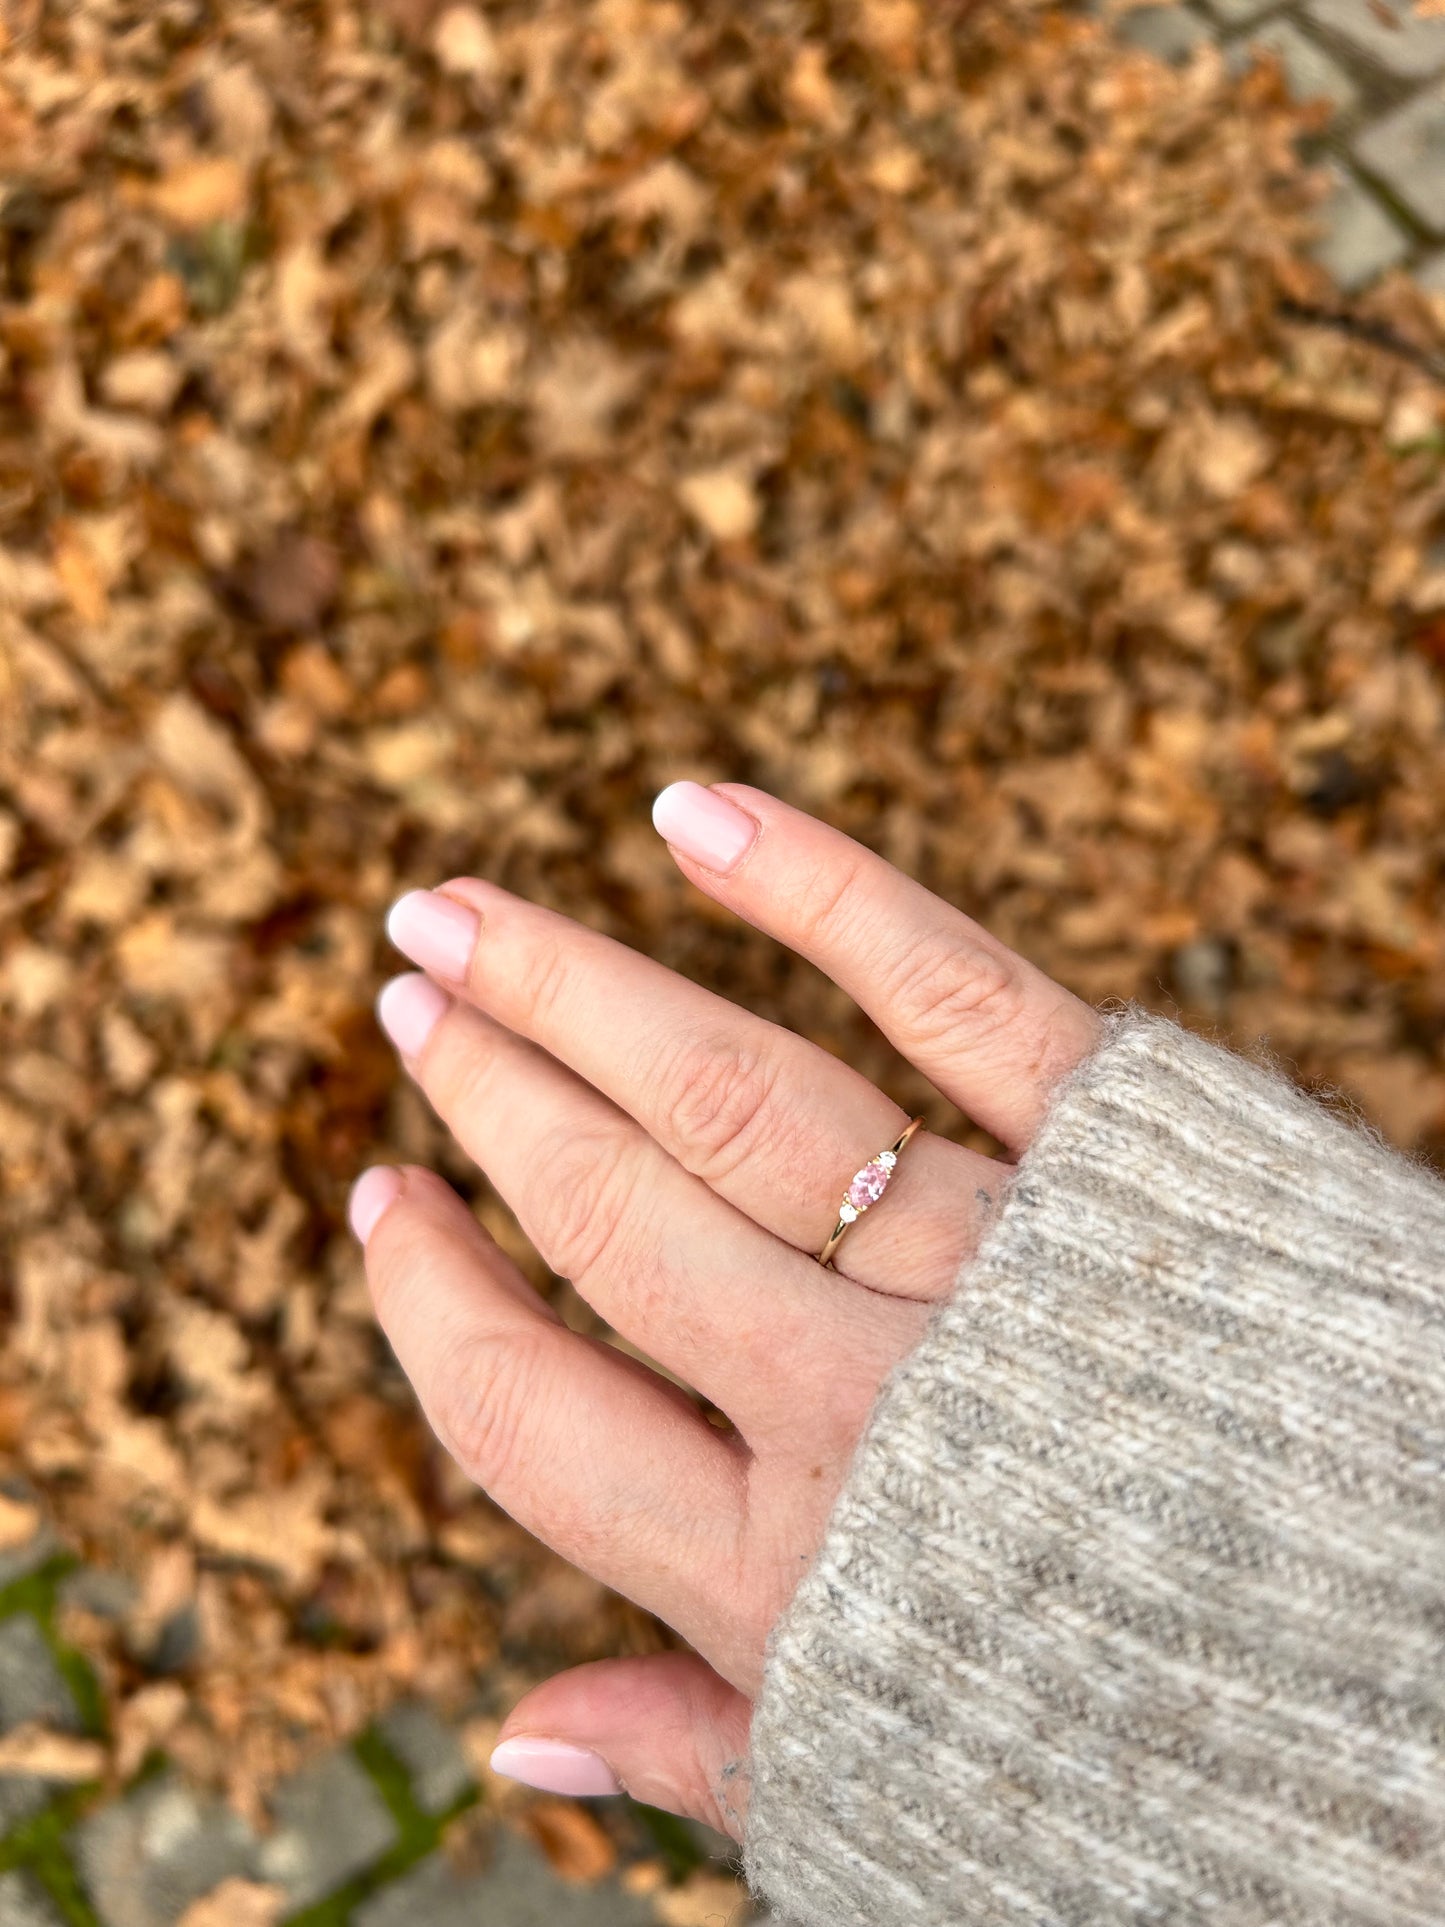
(866,1188)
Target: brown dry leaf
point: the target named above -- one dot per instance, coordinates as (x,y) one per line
(36,1750)
(199,192)
(704,1900)
(1227,453)
(576,1844)
(146,1721)
(292,585)
(642,1877)
(19,1522)
(463,43)
(1403,1093)
(723,501)
(242,112)
(282,1529)
(236,1903)
(80,576)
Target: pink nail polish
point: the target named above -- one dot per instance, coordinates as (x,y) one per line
(704,826)
(437,934)
(372,1192)
(408,1009)
(555,1767)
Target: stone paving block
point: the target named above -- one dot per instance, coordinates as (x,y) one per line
(108,1595)
(1388,32)
(1239,13)
(145,1858)
(430,1753)
(518,1889)
(31,1688)
(1309,72)
(712,1845)
(20,1561)
(1360,240)
(1406,150)
(1169,33)
(331,1825)
(24,1903)
(31,1684)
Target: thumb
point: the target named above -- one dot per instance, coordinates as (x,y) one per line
(665,1729)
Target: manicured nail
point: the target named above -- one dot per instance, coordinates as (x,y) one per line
(372,1192)
(704,826)
(408,1009)
(554,1766)
(436,933)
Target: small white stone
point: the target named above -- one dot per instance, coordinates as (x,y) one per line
(888,1159)
(847,1213)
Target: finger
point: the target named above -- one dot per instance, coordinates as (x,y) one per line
(988,1028)
(596,1455)
(665,1729)
(755,1326)
(769,1121)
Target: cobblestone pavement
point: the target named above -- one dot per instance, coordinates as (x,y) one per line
(1382,68)
(356,1835)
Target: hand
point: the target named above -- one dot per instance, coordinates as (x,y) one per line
(682,1161)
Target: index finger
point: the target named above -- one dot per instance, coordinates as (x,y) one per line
(987,1027)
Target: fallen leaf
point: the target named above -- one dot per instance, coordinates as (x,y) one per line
(723,501)
(35,1749)
(236,1903)
(19,1522)
(463,43)
(576,1844)
(199,192)
(704,1900)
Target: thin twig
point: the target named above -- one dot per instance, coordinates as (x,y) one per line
(1375,334)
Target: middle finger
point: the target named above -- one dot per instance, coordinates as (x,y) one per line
(768,1120)
(692,1282)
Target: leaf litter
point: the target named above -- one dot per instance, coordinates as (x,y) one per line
(425,432)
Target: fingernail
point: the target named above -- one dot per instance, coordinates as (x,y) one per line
(436,933)
(555,1767)
(408,1009)
(372,1192)
(704,826)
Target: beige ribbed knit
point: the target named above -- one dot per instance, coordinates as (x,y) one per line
(1133,1607)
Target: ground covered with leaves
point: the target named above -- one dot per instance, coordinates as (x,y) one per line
(426,431)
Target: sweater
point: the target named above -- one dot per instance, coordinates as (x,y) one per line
(1132,1606)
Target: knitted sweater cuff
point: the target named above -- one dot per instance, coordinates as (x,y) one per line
(1132,1608)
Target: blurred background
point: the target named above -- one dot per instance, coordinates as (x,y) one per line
(426,431)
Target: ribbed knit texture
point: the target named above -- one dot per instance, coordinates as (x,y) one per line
(1133,1606)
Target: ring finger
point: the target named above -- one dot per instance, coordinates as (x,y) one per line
(768,1120)
(691,1281)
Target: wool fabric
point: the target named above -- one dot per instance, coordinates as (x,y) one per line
(1132,1607)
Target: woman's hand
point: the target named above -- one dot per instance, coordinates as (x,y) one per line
(682,1161)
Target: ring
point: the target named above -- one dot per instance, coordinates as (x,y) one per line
(867,1188)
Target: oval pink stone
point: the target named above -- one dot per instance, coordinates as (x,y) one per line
(867,1187)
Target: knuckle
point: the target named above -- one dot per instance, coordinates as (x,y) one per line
(826,902)
(458,1072)
(943,988)
(483,1389)
(720,1100)
(541,984)
(590,1181)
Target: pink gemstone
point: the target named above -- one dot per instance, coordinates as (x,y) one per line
(867,1188)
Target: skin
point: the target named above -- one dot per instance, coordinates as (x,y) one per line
(681,1160)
